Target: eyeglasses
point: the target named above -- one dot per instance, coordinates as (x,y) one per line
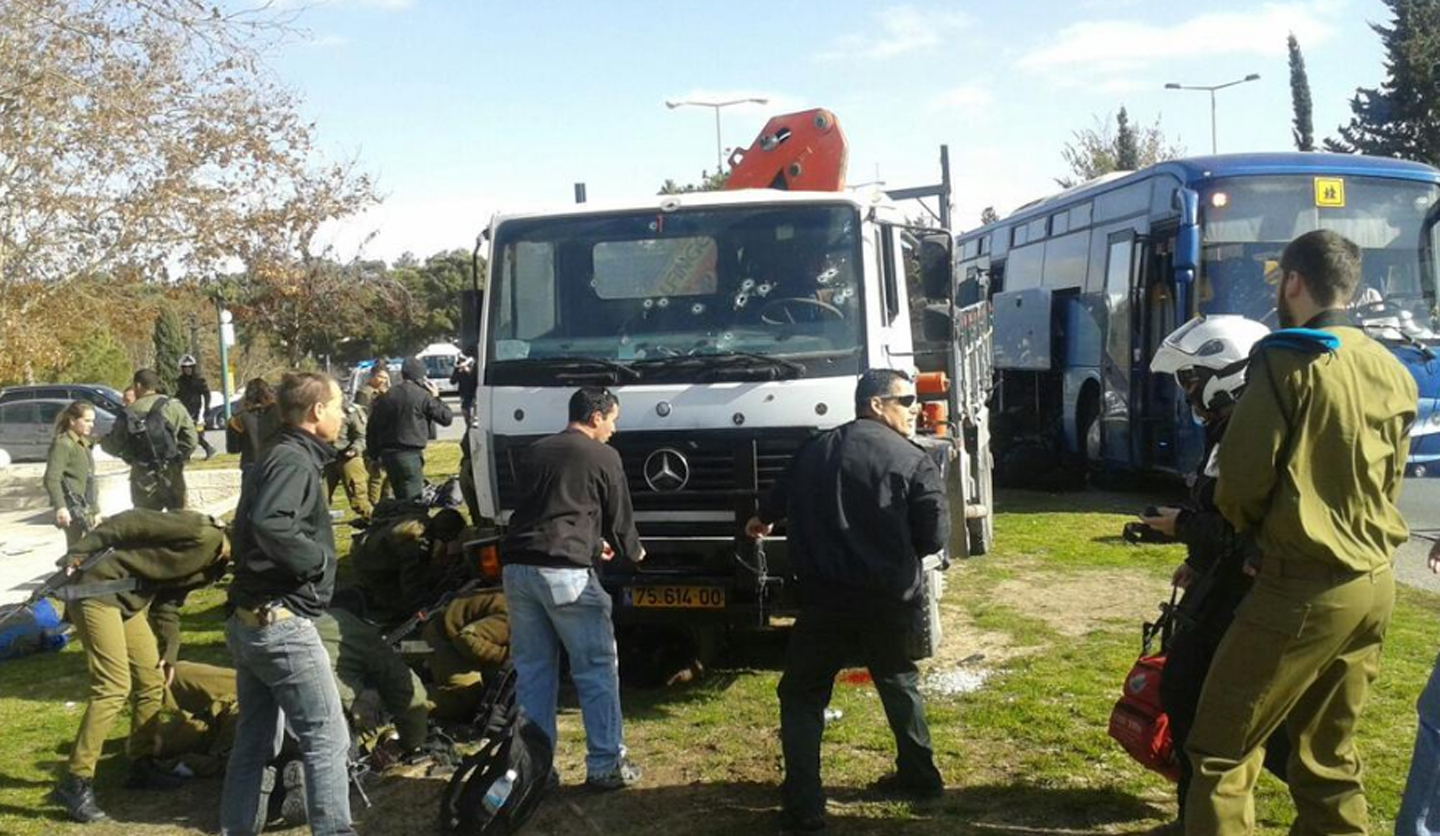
(906,401)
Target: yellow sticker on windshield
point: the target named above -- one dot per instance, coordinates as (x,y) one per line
(1330,191)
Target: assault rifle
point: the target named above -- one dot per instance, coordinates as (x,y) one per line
(411,624)
(72,567)
(79,508)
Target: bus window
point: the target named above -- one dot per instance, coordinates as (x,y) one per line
(1248,221)
(1120,203)
(1024,267)
(1080,216)
(1059,223)
(1065,260)
(1017,236)
(1036,230)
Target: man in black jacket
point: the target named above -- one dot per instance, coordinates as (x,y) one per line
(867,505)
(194,393)
(575,501)
(400,427)
(284,551)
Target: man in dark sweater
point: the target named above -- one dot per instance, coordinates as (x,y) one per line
(575,506)
(284,575)
(400,428)
(864,505)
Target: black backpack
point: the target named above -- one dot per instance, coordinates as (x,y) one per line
(151,441)
(510,742)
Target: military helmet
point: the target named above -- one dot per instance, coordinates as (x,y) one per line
(1208,356)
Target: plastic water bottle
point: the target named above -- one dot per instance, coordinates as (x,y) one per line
(499,792)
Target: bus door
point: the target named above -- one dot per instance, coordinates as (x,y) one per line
(1156,311)
(1116,362)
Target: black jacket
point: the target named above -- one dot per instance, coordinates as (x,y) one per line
(283,544)
(400,419)
(1213,549)
(575,493)
(194,393)
(863,504)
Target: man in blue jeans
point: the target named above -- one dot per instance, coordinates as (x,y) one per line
(1420,805)
(284,552)
(575,503)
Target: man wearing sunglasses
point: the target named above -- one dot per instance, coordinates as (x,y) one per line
(868,505)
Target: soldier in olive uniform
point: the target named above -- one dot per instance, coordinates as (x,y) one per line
(362,661)
(198,729)
(158,486)
(1311,467)
(468,644)
(70,471)
(377,385)
(348,466)
(126,612)
(399,560)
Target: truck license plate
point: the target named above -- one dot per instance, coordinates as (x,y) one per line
(676,597)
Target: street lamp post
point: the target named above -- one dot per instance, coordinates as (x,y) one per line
(719,166)
(1211,90)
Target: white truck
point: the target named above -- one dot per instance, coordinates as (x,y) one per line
(732,326)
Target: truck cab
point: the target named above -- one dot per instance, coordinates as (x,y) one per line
(732,326)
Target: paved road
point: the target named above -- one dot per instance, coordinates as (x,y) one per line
(1420,500)
(450,433)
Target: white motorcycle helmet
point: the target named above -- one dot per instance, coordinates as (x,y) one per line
(1208,356)
(187,360)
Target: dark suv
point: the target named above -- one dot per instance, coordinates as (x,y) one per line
(93,393)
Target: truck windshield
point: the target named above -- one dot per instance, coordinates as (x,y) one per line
(1248,221)
(691,294)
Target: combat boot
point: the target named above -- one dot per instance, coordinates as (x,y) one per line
(77,796)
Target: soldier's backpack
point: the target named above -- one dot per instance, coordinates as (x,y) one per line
(150,440)
(496,790)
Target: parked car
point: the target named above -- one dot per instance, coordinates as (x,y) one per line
(27,426)
(103,397)
(215,415)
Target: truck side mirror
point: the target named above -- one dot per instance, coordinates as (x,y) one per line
(936,325)
(471,303)
(936,270)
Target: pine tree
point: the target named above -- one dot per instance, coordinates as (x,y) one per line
(988,215)
(170,344)
(1304,129)
(1127,145)
(1402,117)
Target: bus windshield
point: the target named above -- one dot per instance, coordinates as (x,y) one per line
(1248,221)
(674,294)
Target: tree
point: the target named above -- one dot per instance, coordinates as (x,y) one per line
(135,139)
(1401,118)
(294,289)
(1127,145)
(988,215)
(94,356)
(1304,129)
(170,343)
(708,183)
(1098,150)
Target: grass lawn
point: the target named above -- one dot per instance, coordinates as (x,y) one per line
(1049,622)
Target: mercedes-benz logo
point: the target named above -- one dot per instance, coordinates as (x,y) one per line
(666,470)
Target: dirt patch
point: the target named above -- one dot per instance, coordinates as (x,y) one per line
(1077,604)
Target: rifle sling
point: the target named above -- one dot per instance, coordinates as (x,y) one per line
(79,591)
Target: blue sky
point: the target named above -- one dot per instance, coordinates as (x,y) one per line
(462,108)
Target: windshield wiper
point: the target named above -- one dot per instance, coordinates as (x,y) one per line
(574,368)
(779,367)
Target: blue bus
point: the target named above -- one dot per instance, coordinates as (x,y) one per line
(1086,283)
